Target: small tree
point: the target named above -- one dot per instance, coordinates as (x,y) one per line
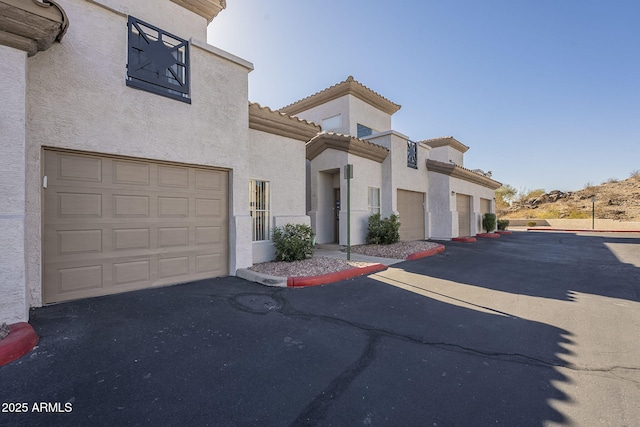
(293,242)
(383,231)
(489,222)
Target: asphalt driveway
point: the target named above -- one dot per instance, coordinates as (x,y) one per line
(530,329)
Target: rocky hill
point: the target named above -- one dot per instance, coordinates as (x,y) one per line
(615,199)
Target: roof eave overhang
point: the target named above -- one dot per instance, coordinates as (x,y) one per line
(465,174)
(266,120)
(346,143)
(446,141)
(208,9)
(31,26)
(347,87)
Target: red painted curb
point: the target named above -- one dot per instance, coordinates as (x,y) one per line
(502,232)
(464,239)
(428,252)
(20,341)
(323,279)
(584,231)
(489,235)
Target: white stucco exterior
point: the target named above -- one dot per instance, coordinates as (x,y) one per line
(392,174)
(14,303)
(73,96)
(211,131)
(280,161)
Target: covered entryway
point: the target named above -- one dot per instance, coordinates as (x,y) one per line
(411,209)
(116,224)
(463,206)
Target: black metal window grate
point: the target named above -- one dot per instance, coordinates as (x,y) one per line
(158,61)
(412,154)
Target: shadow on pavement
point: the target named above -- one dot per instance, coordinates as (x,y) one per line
(228,352)
(547,265)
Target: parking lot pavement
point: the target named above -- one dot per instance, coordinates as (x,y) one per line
(529,329)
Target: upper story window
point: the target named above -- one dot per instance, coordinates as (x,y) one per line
(333,122)
(158,61)
(412,154)
(260,210)
(364,131)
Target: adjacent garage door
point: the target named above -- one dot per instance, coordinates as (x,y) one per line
(411,210)
(463,203)
(115,224)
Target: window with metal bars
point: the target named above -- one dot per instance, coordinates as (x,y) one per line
(260,210)
(374,200)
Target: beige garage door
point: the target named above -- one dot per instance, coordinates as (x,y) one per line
(463,203)
(114,224)
(411,210)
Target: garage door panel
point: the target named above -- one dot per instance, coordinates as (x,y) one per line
(463,205)
(79,168)
(172,267)
(72,242)
(122,230)
(79,205)
(131,238)
(173,177)
(412,213)
(131,173)
(209,181)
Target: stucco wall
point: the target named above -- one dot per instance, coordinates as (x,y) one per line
(476,192)
(329,109)
(281,161)
(442,205)
(443,209)
(77,99)
(366,173)
(367,115)
(161,13)
(13,295)
(446,153)
(397,175)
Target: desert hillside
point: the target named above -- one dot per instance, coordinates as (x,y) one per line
(615,199)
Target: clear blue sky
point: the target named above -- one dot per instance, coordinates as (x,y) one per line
(545,92)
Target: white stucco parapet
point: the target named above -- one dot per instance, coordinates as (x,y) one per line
(221,53)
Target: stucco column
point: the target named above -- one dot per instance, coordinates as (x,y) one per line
(14,304)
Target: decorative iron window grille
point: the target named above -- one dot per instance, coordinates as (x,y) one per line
(158,61)
(412,154)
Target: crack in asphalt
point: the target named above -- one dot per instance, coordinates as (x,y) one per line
(317,409)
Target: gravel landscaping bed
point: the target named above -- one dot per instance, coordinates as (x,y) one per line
(309,267)
(400,250)
(322,265)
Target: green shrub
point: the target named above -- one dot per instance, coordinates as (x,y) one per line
(503,224)
(383,231)
(531,224)
(489,222)
(293,242)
